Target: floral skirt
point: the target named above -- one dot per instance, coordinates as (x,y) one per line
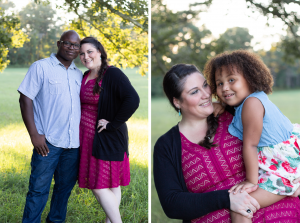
(279,165)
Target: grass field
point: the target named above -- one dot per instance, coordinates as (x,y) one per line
(163,117)
(16,151)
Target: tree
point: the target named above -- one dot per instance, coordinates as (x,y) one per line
(10,33)
(237,38)
(38,23)
(176,39)
(132,11)
(121,25)
(290,47)
(285,75)
(278,9)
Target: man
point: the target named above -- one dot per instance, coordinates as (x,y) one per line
(50,107)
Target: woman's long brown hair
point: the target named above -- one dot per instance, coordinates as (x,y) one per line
(104,63)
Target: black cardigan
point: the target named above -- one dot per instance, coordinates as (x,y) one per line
(118,101)
(174,197)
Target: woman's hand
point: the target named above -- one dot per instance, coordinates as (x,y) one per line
(243,186)
(297,192)
(241,202)
(103,123)
(218,108)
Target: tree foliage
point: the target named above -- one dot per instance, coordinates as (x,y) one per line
(10,33)
(133,11)
(285,75)
(237,38)
(121,25)
(278,9)
(37,22)
(176,39)
(125,46)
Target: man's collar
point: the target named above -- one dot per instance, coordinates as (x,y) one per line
(56,62)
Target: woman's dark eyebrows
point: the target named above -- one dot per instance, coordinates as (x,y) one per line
(192,89)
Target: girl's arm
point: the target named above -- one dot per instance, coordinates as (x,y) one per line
(252,119)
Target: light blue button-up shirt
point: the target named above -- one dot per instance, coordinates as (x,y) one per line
(56,103)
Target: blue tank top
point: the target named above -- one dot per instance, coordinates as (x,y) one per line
(276,127)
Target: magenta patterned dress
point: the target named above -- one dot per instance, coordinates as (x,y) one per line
(222,167)
(95,173)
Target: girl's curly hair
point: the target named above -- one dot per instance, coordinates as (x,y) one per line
(256,73)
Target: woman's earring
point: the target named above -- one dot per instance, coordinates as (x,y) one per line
(100,58)
(179,112)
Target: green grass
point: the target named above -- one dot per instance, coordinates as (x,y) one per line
(16,151)
(163,117)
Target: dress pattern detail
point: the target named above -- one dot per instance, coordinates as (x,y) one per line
(279,165)
(221,167)
(95,173)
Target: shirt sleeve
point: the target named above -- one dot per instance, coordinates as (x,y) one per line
(175,201)
(32,82)
(130,102)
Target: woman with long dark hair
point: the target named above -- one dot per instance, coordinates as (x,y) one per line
(108,100)
(197,161)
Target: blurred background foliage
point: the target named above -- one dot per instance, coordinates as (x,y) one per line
(37,22)
(121,26)
(176,39)
(11,35)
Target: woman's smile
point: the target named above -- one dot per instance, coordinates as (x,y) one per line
(205,104)
(90,56)
(196,97)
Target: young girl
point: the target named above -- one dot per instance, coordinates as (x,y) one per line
(270,141)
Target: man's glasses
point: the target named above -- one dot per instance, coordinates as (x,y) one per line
(68,44)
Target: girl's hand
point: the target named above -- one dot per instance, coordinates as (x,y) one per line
(103,123)
(297,192)
(243,186)
(241,202)
(218,108)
